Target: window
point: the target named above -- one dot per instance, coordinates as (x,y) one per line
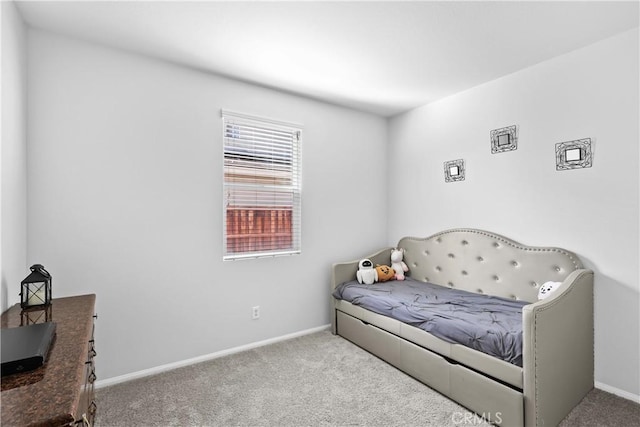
(261,196)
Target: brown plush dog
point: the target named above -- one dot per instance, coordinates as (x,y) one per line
(385,273)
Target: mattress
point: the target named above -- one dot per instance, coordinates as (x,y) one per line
(490,324)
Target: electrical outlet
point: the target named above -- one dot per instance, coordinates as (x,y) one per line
(255,312)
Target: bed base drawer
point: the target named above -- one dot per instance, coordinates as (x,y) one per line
(416,361)
(381,343)
(496,402)
(425,366)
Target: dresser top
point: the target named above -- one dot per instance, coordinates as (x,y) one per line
(50,394)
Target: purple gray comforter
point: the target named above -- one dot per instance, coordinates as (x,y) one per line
(489,324)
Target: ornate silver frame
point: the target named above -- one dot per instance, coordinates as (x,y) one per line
(454,170)
(504,139)
(574,154)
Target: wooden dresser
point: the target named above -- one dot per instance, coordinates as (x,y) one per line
(60,393)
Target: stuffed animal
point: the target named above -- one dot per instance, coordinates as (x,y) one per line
(547,288)
(366,273)
(397,264)
(384,273)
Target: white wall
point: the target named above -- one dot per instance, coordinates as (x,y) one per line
(125,192)
(589,93)
(13,192)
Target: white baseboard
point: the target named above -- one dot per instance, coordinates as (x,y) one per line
(617,392)
(170,366)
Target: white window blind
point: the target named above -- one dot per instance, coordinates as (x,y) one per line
(262,182)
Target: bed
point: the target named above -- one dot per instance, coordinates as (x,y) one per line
(518,360)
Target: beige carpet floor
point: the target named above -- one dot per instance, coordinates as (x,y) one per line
(314,380)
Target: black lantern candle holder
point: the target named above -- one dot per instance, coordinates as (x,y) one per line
(36,288)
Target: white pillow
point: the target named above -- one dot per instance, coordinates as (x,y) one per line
(547,288)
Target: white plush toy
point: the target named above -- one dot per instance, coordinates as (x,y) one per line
(547,288)
(366,273)
(397,264)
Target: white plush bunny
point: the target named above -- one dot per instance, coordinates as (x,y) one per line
(397,264)
(547,288)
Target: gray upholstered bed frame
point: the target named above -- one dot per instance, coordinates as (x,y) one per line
(557,332)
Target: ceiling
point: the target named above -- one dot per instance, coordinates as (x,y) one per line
(380,57)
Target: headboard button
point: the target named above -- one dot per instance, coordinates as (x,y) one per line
(480,259)
(558,269)
(438,268)
(464,243)
(451,256)
(496,244)
(496,278)
(514,263)
(464,273)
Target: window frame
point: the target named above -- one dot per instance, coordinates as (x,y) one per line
(295,186)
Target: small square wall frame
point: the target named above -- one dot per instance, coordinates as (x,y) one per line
(574,154)
(454,170)
(504,139)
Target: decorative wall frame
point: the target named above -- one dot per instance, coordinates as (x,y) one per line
(574,154)
(504,139)
(454,170)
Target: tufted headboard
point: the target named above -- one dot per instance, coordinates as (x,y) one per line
(484,262)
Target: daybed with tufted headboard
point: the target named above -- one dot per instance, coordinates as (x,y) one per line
(556,332)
